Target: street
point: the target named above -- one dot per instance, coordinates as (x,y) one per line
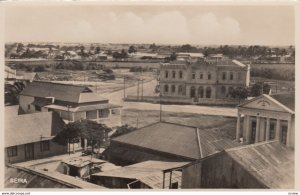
(116,98)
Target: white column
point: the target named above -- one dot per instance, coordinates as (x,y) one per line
(238,128)
(247,129)
(268,129)
(289,128)
(257,129)
(277,136)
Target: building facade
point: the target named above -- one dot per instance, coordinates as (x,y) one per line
(29,136)
(71,102)
(267,117)
(203,79)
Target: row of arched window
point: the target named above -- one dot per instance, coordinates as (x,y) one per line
(200,92)
(181,90)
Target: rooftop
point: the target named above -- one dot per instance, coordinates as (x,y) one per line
(287,99)
(31,127)
(180,140)
(148,172)
(63,92)
(270,162)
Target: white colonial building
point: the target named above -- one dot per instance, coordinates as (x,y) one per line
(267,117)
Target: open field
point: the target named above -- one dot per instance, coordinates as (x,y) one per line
(274,71)
(225,126)
(91,79)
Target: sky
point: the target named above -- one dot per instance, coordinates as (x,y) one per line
(199,25)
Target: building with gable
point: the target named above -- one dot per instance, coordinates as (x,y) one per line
(71,102)
(267,117)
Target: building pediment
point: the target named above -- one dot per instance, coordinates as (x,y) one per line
(265,102)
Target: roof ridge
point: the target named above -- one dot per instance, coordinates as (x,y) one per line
(199,143)
(55,83)
(167,122)
(251,145)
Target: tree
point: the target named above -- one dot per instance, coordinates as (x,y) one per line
(123,130)
(132,49)
(239,93)
(39,69)
(173,56)
(12,93)
(97,50)
(259,88)
(70,133)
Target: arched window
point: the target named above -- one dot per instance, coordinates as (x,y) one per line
(224,75)
(173,74)
(201,75)
(208,92)
(173,88)
(166,88)
(193,75)
(180,90)
(209,76)
(200,92)
(180,74)
(231,75)
(223,90)
(166,74)
(230,90)
(193,92)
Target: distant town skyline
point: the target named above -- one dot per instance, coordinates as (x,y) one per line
(196,25)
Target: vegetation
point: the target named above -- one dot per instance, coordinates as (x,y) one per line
(12,93)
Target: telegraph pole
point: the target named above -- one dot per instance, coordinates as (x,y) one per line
(124,87)
(142,89)
(138,90)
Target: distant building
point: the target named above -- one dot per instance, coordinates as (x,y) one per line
(182,56)
(29,136)
(165,141)
(144,175)
(203,81)
(267,117)
(261,165)
(71,102)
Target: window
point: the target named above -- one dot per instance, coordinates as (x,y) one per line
(103,113)
(223,90)
(92,114)
(208,92)
(173,88)
(209,76)
(180,74)
(231,76)
(173,74)
(193,75)
(12,151)
(283,134)
(200,92)
(166,88)
(180,89)
(45,145)
(166,74)
(272,131)
(28,107)
(38,108)
(115,111)
(201,75)
(224,75)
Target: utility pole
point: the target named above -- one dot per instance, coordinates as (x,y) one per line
(124,87)
(142,89)
(138,90)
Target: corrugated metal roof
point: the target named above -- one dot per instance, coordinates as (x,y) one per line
(270,162)
(149,172)
(30,127)
(63,92)
(287,99)
(44,179)
(177,140)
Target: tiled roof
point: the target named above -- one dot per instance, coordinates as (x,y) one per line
(63,92)
(175,139)
(270,162)
(287,99)
(28,128)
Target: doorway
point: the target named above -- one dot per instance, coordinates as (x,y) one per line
(29,151)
